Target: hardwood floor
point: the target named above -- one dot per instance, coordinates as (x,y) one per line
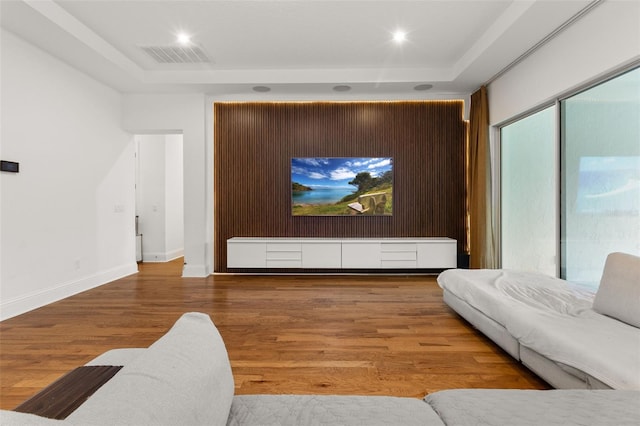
(382,335)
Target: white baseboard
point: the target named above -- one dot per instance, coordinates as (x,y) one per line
(174,254)
(195,271)
(20,305)
(154,257)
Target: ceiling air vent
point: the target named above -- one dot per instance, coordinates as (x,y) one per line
(176,54)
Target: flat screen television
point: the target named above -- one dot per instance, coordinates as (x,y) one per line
(342,186)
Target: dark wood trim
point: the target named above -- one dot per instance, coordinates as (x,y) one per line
(66,394)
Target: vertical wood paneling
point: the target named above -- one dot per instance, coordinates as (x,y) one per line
(254,144)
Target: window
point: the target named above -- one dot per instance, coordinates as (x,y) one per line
(600,175)
(528,193)
(597,198)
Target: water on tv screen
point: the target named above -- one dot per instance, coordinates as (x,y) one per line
(342,186)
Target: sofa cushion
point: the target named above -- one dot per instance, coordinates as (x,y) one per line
(619,293)
(184,378)
(294,410)
(498,407)
(16,418)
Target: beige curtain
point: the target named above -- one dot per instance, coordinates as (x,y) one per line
(481,234)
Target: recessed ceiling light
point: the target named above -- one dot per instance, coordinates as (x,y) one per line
(399,36)
(183,38)
(423,87)
(342,88)
(261,89)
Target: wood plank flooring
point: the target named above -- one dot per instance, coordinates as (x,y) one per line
(366,335)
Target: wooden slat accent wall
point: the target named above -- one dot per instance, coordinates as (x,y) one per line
(255,141)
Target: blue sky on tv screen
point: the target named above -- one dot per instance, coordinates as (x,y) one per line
(321,172)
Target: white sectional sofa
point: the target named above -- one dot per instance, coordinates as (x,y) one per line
(185,378)
(570,336)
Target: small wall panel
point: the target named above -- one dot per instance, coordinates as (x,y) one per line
(254,143)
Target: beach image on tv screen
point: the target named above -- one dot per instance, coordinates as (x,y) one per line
(342,186)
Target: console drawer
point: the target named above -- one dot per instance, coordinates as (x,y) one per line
(284,247)
(399,255)
(384,247)
(399,264)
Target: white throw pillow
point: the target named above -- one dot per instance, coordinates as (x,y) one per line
(619,293)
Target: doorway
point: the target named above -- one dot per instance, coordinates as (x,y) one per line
(159,197)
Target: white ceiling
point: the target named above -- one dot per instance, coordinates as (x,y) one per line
(297,48)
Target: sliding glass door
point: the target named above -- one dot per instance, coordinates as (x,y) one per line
(596,200)
(528,193)
(600,175)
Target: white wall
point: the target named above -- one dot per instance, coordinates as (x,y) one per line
(67,219)
(182,113)
(174,197)
(150,196)
(160,197)
(607,38)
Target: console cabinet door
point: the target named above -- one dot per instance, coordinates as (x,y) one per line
(322,255)
(361,255)
(438,255)
(246,255)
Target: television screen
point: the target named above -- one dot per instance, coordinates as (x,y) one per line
(342,186)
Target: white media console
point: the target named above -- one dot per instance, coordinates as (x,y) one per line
(342,253)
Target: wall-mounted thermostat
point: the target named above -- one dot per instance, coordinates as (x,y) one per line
(9,166)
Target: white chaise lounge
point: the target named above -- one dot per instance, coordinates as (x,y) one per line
(570,336)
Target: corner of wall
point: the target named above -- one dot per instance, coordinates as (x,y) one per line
(195,271)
